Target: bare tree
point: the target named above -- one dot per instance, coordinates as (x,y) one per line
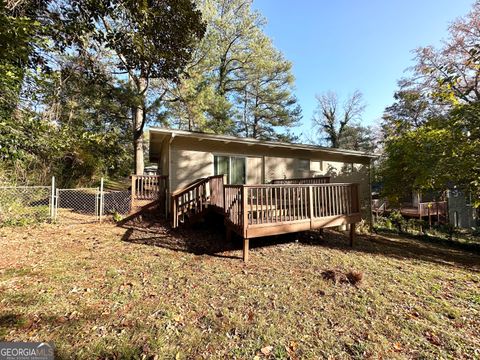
(453,70)
(332,119)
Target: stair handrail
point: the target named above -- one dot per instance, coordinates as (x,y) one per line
(190,186)
(177,194)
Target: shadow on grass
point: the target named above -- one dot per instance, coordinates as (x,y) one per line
(403,247)
(208,238)
(9,321)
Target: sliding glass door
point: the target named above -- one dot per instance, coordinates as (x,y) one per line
(237,170)
(222,166)
(234,167)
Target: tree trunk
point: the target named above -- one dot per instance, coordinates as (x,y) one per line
(139,116)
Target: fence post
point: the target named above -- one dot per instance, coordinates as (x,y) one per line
(55,202)
(100,210)
(52,199)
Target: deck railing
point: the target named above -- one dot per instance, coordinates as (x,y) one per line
(310,180)
(250,206)
(420,210)
(432,208)
(196,197)
(147,188)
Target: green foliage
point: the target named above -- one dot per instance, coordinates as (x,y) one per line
(432,131)
(117,217)
(236,82)
(265,98)
(397,223)
(19,207)
(359,138)
(17,36)
(66,102)
(397,220)
(148,39)
(148,42)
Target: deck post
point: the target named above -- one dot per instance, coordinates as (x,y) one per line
(352,234)
(245,249)
(244,211)
(310,201)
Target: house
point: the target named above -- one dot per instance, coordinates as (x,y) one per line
(461,210)
(309,186)
(441,207)
(430,206)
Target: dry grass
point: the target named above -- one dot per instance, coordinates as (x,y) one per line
(100,291)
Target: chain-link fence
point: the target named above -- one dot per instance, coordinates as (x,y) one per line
(117,202)
(80,205)
(23,205)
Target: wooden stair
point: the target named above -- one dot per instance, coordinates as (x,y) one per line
(190,204)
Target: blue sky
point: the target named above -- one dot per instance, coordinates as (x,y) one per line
(343,45)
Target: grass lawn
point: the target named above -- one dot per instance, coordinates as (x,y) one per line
(141,291)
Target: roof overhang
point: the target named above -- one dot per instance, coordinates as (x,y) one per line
(158,135)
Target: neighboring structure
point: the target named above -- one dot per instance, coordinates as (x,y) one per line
(430,206)
(260,187)
(451,206)
(461,212)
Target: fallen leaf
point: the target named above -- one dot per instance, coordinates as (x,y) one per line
(397,346)
(432,338)
(266,350)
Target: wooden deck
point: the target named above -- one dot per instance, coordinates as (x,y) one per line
(251,211)
(146,189)
(262,210)
(430,210)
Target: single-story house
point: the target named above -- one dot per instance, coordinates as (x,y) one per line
(186,156)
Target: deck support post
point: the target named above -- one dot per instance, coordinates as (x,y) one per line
(245,249)
(310,208)
(352,234)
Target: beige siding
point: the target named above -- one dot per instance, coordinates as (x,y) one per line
(279,168)
(342,172)
(316,167)
(187,166)
(163,161)
(255,170)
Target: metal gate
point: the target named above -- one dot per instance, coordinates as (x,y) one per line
(81,205)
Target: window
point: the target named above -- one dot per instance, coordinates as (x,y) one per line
(303,164)
(234,167)
(222,166)
(468,199)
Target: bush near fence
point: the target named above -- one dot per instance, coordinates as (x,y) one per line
(24,205)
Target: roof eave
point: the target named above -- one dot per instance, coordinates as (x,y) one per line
(250,141)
